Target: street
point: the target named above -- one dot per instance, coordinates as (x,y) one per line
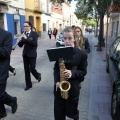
(38,102)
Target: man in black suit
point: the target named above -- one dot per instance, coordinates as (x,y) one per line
(29,40)
(5,51)
(75,71)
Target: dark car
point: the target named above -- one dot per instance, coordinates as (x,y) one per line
(113,68)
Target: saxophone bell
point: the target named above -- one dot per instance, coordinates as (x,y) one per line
(65,87)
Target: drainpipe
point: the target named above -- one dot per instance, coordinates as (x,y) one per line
(107,31)
(119,26)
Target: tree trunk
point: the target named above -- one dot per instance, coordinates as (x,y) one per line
(100,37)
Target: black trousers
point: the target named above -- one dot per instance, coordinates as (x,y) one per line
(11,69)
(62,107)
(5,98)
(29,66)
(55,36)
(49,36)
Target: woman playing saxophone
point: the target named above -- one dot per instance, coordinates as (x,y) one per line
(75,70)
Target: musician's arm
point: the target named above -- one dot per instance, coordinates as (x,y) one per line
(5,49)
(21,42)
(87,46)
(81,71)
(32,40)
(56,73)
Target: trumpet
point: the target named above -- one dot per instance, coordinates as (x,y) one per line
(18,40)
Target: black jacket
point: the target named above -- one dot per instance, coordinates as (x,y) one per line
(79,61)
(86,46)
(5,51)
(30,45)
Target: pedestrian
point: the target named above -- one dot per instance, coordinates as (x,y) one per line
(55,32)
(81,41)
(75,71)
(34,29)
(49,33)
(12,70)
(5,51)
(29,41)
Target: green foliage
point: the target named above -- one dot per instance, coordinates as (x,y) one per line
(82,10)
(89,22)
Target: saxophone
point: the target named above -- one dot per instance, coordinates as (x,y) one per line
(64,84)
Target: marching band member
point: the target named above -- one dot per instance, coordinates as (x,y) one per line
(5,51)
(29,41)
(69,107)
(81,41)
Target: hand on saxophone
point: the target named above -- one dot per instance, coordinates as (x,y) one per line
(57,85)
(67,73)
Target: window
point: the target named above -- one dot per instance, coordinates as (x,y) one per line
(117,28)
(17,28)
(44,27)
(118,46)
(115,44)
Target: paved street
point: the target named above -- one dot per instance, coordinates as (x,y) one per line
(37,103)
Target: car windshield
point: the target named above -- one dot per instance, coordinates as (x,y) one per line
(118,46)
(115,45)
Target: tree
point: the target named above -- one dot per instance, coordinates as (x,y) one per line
(101,6)
(83,10)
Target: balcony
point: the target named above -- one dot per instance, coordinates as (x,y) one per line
(5,1)
(114,9)
(37,6)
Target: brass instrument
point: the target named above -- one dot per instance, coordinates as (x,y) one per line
(64,84)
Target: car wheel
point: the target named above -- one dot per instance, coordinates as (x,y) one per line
(114,107)
(57,44)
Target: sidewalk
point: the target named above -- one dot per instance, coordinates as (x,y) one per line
(37,103)
(100,86)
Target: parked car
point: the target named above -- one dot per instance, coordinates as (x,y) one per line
(113,68)
(59,40)
(90,30)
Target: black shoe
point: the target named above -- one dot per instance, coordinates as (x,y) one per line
(2,116)
(39,78)
(14,106)
(27,88)
(77,116)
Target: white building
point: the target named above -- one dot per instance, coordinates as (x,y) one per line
(12,16)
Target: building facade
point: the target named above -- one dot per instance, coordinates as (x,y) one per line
(57,16)
(46,18)
(113,20)
(33,14)
(12,16)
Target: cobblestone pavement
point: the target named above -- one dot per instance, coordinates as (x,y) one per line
(37,103)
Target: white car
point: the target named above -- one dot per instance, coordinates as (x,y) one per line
(59,40)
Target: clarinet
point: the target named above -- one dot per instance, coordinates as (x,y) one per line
(13,48)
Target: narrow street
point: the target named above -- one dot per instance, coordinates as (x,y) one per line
(37,103)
